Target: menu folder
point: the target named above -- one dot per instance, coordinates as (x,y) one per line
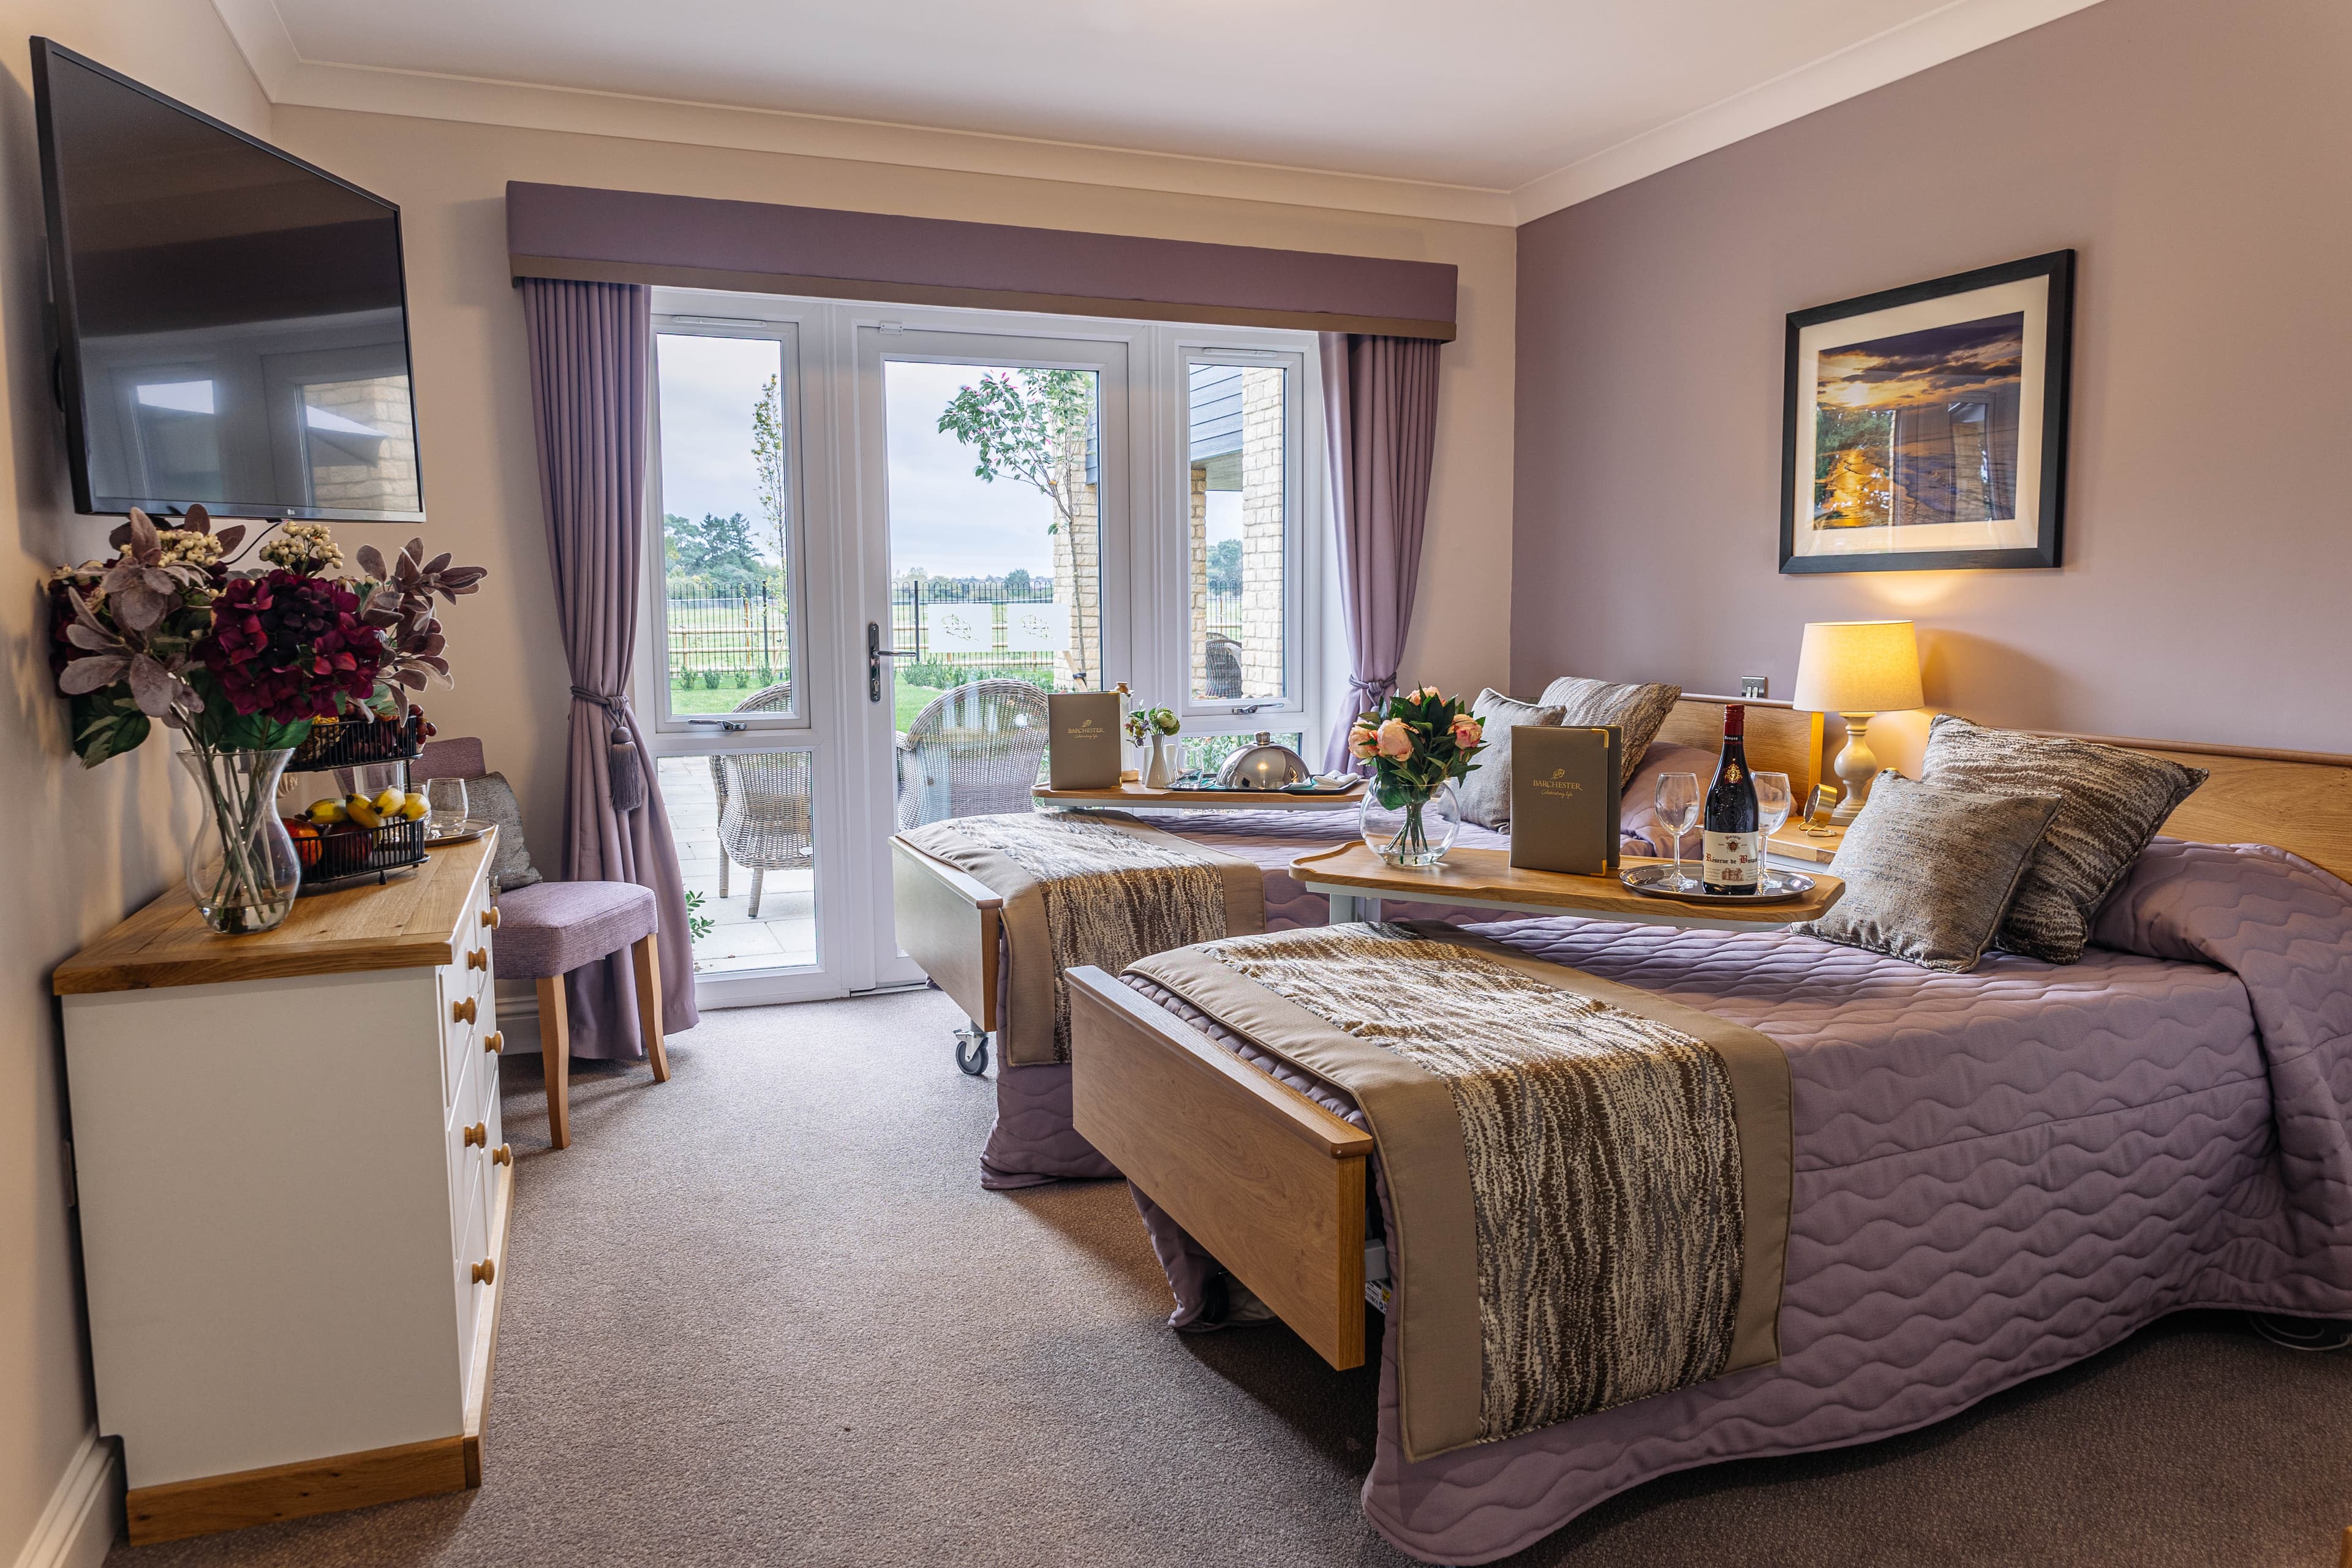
(1082,739)
(1565,780)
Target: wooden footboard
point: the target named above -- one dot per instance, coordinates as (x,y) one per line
(1269,1181)
(947,924)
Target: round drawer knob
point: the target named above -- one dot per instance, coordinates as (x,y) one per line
(494,1042)
(485,1272)
(462,1011)
(490,917)
(502,1155)
(479,959)
(478,1134)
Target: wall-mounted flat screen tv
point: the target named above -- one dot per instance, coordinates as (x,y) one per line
(232,323)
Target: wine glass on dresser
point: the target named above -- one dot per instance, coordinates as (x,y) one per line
(1677,811)
(1773,801)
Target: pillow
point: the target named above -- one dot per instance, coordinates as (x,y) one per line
(1928,870)
(2114,801)
(1637,818)
(1636,709)
(1485,791)
(491,799)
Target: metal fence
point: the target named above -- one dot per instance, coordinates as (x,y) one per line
(748,633)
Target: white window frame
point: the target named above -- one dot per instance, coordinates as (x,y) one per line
(1302,598)
(653,649)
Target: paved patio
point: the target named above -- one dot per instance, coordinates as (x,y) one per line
(786,933)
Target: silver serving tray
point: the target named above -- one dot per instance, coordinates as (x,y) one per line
(1775,887)
(466,832)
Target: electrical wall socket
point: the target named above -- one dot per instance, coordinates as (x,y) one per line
(1756,688)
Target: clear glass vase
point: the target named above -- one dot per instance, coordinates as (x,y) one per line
(242,870)
(1417,833)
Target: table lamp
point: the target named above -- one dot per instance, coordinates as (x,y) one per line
(1857,669)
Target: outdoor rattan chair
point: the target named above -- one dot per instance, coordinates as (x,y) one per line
(971,751)
(763,804)
(1225,671)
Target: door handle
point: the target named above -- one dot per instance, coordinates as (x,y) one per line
(875,653)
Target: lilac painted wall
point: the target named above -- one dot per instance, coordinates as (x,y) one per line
(2199,159)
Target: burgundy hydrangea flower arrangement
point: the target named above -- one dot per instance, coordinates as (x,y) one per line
(290,648)
(241,663)
(167,632)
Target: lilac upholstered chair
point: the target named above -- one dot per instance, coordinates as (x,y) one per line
(549,929)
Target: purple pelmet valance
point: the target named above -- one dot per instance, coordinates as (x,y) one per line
(698,242)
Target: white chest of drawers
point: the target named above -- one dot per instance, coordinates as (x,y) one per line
(293,1196)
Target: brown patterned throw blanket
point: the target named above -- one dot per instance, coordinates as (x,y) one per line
(1083,888)
(1591,1184)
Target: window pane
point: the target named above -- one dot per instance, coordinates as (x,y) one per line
(1240,531)
(746,845)
(725,524)
(995,575)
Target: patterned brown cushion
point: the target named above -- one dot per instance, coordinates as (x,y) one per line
(1928,870)
(1636,709)
(2113,800)
(1485,793)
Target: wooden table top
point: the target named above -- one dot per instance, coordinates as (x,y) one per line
(1488,875)
(1135,795)
(409,922)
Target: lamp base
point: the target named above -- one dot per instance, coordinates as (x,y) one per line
(1856,768)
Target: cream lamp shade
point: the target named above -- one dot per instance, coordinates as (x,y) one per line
(1859,667)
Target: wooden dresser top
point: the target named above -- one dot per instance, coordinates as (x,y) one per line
(409,922)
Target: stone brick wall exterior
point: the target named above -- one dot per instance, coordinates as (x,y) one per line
(388,484)
(1264,473)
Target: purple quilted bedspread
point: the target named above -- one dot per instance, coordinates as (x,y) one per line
(1997,1173)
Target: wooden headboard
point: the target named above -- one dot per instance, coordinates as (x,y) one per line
(2299,801)
(1780,739)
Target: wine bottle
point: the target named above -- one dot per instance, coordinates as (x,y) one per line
(1734,845)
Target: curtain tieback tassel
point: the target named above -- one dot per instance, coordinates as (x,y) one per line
(625,764)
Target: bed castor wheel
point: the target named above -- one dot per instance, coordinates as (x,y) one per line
(971,1051)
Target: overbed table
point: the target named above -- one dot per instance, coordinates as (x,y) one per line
(1130,796)
(1356,880)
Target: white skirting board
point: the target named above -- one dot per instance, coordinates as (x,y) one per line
(84,1515)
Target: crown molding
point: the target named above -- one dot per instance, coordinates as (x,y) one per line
(1958,28)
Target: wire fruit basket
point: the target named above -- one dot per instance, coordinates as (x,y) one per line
(357,744)
(350,856)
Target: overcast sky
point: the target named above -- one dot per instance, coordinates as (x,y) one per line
(943,519)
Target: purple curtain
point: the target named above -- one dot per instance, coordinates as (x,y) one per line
(591,361)
(1380,429)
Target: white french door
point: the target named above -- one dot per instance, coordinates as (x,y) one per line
(885,533)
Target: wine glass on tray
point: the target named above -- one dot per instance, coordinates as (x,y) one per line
(1677,811)
(1773,801)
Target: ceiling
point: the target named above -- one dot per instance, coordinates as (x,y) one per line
(1498,108)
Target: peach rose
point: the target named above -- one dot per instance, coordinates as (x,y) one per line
(1423,693)
(1362,743)
(1395,740)
(1466,731)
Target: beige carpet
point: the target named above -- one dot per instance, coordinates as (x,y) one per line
(764,1314)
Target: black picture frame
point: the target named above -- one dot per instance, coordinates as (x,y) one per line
(2055,393)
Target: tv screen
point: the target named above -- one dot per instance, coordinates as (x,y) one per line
(232,323)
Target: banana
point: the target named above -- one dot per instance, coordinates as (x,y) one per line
(327,810)
(363,811)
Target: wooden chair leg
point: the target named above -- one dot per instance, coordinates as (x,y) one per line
(555,1055)
(758,874)
(647,957)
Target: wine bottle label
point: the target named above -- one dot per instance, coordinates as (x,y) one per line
(1733,860)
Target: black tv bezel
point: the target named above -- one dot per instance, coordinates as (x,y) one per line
(66,312)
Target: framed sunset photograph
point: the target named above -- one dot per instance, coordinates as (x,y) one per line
(1924,429)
